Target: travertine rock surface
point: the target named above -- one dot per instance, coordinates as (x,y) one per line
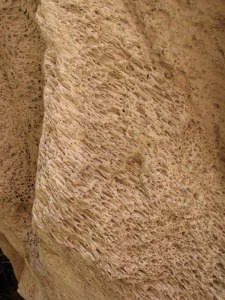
(129,194)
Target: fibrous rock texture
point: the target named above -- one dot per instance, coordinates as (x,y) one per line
(129,195)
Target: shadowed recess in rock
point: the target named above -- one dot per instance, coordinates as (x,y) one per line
(8,281)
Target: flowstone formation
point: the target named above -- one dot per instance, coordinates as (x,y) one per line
(127,200)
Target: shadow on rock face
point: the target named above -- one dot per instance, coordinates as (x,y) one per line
(8,281)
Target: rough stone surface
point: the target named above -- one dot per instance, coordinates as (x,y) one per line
(129,198)
(21,114)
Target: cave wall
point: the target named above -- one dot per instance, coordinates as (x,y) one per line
(129,192)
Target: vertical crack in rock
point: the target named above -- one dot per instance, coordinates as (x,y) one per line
(21,115)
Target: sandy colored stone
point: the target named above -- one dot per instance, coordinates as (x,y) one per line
(129,191)
(21,114)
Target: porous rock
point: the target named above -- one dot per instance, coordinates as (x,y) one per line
(129,190)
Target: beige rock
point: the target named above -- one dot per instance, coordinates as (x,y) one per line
(129,195)
(21,114)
